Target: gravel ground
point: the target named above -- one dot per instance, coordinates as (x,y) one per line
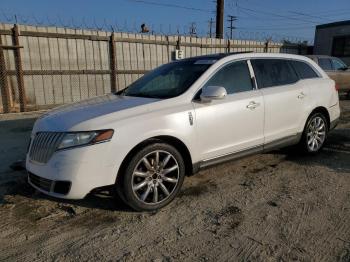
(279,206)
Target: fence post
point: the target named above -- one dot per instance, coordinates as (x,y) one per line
(178,42)
(168,48)
(267,46)
(228,46)
(299,49)
(112,60)
(5,94)
(19,69)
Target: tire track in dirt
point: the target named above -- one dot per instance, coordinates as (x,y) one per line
(341,229)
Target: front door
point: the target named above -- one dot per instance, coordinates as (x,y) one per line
(234,123)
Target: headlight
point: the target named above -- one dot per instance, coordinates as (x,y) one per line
(84,138)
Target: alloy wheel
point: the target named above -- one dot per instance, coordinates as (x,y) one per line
(316,134)
(155,177)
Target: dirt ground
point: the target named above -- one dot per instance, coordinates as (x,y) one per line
(280,206)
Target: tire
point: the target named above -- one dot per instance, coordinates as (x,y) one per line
(315,133)
(149,184)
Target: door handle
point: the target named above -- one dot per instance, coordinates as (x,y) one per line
(301,95)
(252,105)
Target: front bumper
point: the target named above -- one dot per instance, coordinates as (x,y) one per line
(73,173)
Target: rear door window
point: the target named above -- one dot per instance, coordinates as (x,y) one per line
(303,69)
(273,72)
(325,64)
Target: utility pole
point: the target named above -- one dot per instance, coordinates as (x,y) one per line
(193,30)
(211,23)
(220,18)
(231,19)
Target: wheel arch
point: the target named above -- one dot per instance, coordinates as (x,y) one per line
(171,140)
(322,110)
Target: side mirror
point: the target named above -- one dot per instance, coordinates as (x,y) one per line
(210,93)
(344,68)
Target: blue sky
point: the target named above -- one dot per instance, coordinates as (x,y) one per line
(257,19)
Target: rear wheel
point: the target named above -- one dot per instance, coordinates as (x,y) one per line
(153,177)
(315,133)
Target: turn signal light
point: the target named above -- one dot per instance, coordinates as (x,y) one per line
(103,135)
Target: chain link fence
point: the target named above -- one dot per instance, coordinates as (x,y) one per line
(43,67)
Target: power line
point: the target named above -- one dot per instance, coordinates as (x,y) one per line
(308,15)
(171,5)
(275,28)
(277,15)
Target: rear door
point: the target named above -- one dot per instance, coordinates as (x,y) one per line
(284,97)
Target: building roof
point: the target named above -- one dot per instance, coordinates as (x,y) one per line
(334,24)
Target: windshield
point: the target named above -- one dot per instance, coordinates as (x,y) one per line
(169,80)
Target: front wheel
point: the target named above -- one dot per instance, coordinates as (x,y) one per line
(153,177)
(315,133)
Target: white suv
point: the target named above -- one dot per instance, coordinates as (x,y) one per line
(178,119)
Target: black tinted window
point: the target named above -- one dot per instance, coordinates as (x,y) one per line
(234,77)
(325,63)
(273,72)
(303,70)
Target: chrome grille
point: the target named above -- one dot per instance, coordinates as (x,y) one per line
(44,145)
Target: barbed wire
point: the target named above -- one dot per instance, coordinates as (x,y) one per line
(134,27)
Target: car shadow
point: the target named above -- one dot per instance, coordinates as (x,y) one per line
(335,154)
(104,199)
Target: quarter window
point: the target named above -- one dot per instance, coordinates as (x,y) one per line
(273,72)
(325,64)
(303,70)
(338,65)
(235,77)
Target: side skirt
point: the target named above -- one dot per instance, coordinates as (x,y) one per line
(274,145)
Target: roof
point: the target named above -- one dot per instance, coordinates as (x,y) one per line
(239,55)
(215,56)
(319,56)
(334,24)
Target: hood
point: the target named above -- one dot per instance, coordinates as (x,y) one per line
(65,117)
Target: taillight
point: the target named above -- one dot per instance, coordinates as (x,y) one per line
(336,87)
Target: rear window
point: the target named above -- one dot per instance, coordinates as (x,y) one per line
(273,72)
(303,70)
(325,63)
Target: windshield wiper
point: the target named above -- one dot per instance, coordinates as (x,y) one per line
(140,95)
